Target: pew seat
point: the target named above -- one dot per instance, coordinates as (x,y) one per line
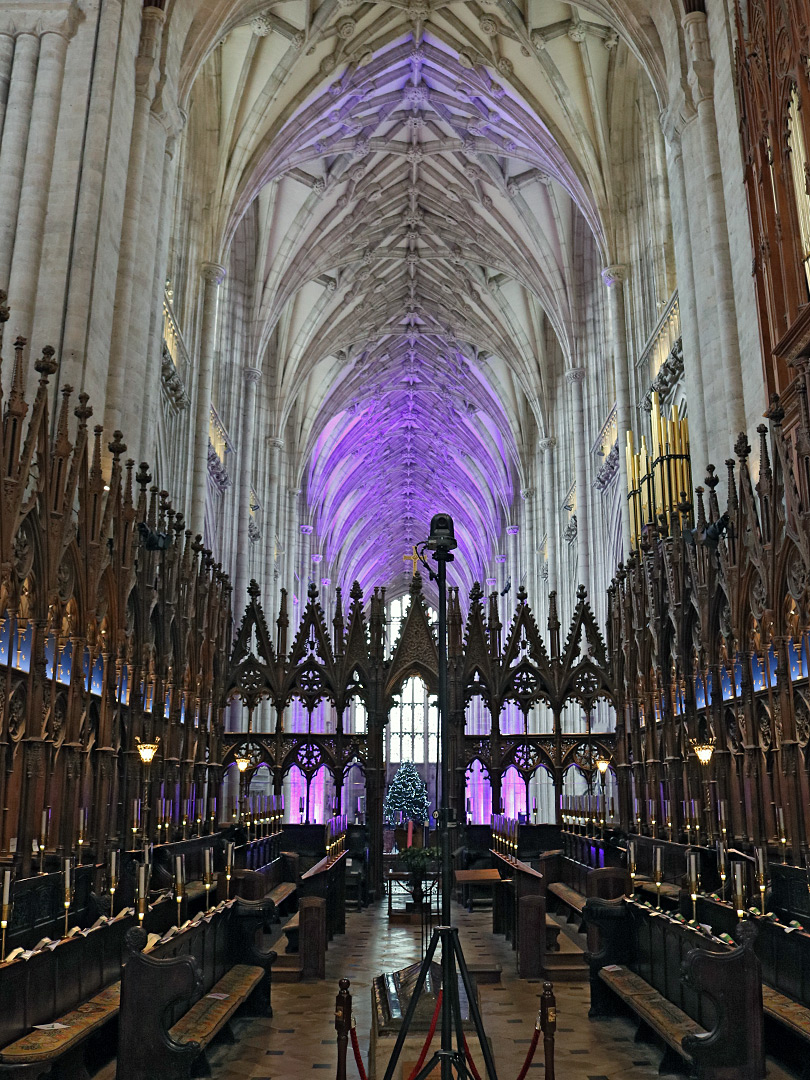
(668,1021)
(205,1019)
(42,1048)
(786,1011)
(573,900)
(282,893)
(291,928)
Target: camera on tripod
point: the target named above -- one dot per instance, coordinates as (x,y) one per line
(442,537)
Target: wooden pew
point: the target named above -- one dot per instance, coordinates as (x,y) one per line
(176,999)
(76,984)
(711,1018)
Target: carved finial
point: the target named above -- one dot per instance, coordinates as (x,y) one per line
(775,412)
(416,583)
(143,476)
(582,594)
(46,365)
(356,592)
(253,590)
(712,479)
(522,595)
(742,447)
(17,380)
(117,447)
(701,509)
(62,422)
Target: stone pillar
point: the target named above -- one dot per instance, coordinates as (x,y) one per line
(575,377)
(274,470)
(213,275)
(15,139)
(154,347)
(701,79)
(306,563)
(147,69)
(513,564)
(614,276)
(36,180)
(690,335)
(549,510)
(241,513)
(6,59)
(529,547)
(291,549)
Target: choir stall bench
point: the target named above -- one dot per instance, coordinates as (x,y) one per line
(178,998)
(699,996)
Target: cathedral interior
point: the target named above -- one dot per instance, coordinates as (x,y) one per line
(280,280)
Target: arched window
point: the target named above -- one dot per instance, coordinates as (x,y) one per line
(413,728)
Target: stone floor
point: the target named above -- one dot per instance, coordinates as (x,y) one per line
(301,1036)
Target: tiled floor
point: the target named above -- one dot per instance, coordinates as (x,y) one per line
(301,1037)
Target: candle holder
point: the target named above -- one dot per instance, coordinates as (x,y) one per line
(659,877)
(179,893)
(208,881)
(67,910)
(761,882)
(5,919)
(783,844)
(141,909)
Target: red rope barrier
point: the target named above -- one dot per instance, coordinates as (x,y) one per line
(417,1067)
(358,1057)
(530,1055)
(470,1061)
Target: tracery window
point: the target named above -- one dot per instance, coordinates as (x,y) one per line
(413,726)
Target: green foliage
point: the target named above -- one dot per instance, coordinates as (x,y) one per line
(407,794)
(417,860)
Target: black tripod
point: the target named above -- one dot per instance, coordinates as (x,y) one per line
(453,1061)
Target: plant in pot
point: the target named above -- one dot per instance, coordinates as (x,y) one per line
(419,862)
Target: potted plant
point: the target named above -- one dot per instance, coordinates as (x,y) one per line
(418,861)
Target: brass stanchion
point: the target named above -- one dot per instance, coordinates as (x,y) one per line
(343,1024)
(548,1024)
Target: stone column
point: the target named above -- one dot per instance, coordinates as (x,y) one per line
(154,347)
(274,469)
(36,181)
(213,275)
(147,70)
(306,563)
(513,565)
(241,513)
(701,79)
(6,59)
(529,547)
(15,139)
(549,501)
(575,377)
(614,276)
(690,335)
(291,549)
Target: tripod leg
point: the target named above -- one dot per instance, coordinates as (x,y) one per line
(406,1023)
(455,1005)
(474,1013)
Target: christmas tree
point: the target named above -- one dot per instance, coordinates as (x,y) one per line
(407,795)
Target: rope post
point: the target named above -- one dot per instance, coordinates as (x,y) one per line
(343,1024)
(548,1023)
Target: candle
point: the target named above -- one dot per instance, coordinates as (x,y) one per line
(142,881)
(178,872)
(6,888)
(113,868)
(136,813)
(657,853)
(780,818)
(693,872)
(208,861)
(66,867)
(761,862)
(229,853)
(43,832)
(739,889)
(721,858)
(631,855)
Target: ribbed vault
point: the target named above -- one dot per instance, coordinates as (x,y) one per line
(413,177)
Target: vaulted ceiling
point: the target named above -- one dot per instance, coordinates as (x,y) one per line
(416,176)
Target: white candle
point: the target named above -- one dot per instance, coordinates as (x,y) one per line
(178,870)
(6,888)
(693,871)
(739,892)
(229,856)
(66,866)
(657,857)
(761,861)
(780,818)
(136,812)
(43,832)
(113,868)
(142,881)
(631,853)
(208,860)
